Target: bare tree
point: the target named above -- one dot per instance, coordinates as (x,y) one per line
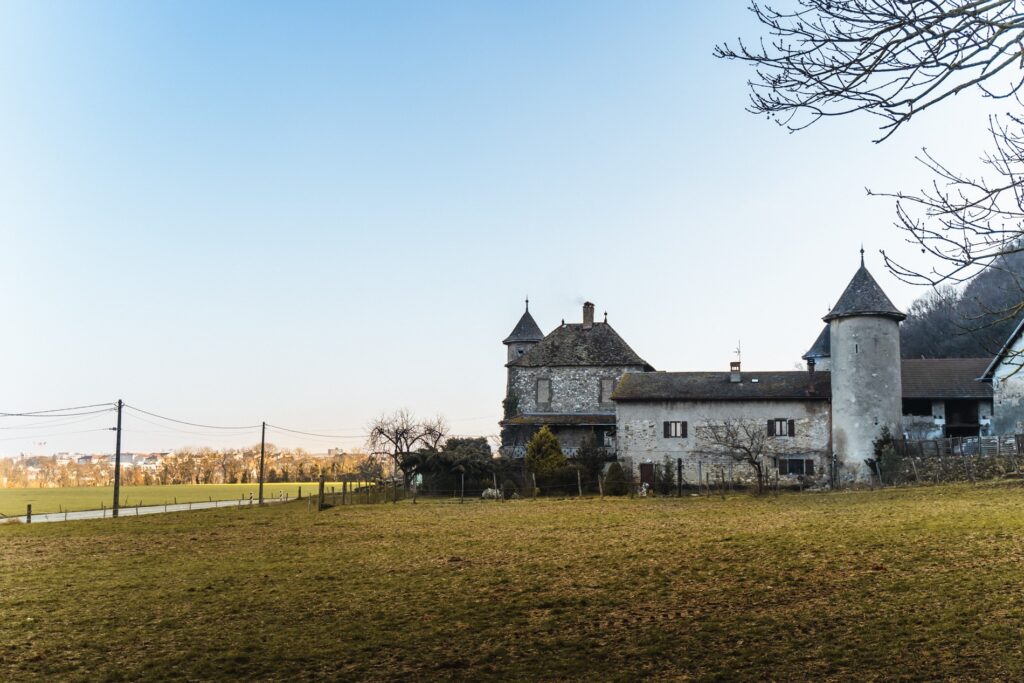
(745,441)
(434,431)
(894,60)
(399,434)
(890,58)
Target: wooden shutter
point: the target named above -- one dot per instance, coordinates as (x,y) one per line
(808,467)
(771,427)
(783,466)
(683,433)
(792,427)
(668,429)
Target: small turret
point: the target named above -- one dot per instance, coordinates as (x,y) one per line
(525,334)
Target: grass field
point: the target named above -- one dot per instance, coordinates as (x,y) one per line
(13,501)
(912,584)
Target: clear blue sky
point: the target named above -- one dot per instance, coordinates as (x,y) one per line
(311,213)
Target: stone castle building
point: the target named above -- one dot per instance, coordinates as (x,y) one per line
(817,425)
(564,380)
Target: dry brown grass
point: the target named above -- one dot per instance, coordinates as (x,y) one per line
(892,585)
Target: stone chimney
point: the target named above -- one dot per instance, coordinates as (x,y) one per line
(588,315)
(734,372)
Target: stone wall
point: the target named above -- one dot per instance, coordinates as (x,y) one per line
(640,435)
(574,389)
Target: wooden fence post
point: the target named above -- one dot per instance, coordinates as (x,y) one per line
(28,514)
(700,475)
(600,485)
(534,477)
(320,495)
(579,483)
(462,487)
(679,477)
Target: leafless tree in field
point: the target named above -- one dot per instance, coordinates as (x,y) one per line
(745,441)
(400,433)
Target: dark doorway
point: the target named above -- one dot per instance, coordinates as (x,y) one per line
(647,473)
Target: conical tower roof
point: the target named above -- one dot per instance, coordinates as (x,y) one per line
(526,330)
(822,347)
(863,296)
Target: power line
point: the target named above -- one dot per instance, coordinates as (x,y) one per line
(324,436)
(37,413)
(171,429)
(190,424)
(51,423)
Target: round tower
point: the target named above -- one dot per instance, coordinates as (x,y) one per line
(867,393)
(525,334)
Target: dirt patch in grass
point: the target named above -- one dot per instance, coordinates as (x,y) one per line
(892,585)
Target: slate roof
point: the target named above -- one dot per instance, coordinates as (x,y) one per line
(943,378)
(715,386)
(578,419)
(863,296)
(822,347)
(574,344)
(526,330)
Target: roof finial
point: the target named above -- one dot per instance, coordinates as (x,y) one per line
(527,303)
(606,316)
(861,254)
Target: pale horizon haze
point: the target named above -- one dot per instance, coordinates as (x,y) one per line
(315,213)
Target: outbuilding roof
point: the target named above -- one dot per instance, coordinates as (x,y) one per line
(579,344)
(863,296)
(717,386)
(945,378)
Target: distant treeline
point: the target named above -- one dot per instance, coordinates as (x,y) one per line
(193,466)
(970,322)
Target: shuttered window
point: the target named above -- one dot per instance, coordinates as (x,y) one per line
(780,426)
(674,430)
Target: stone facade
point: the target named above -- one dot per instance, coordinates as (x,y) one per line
(641,436)
(570,389)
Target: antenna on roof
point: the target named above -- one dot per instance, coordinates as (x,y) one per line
(738,351)
(861,254)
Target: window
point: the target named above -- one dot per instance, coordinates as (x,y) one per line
(674,430)
(799,466)
(780,426)
(543,392)
(607,386)
(520,350)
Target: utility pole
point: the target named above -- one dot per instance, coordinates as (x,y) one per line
(263,446)
(117,461)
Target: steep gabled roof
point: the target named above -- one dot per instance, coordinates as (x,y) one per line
(942,378)
(716,386)
(577,344)
(1004,352)
(822,347)
(863,296)
(526,330)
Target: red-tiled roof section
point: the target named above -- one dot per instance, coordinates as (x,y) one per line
(945,378)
